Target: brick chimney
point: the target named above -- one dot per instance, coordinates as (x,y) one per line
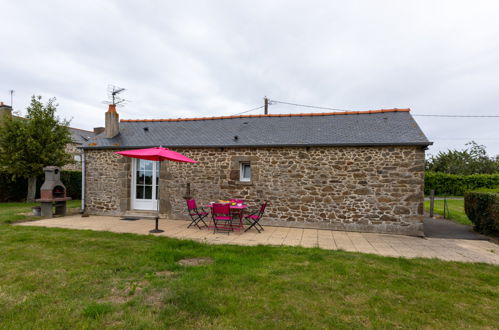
(5,111)
(112,122)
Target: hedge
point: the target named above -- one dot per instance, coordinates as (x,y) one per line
(72,181)
(15,190)
(12,190)
(482,208)
(454,184)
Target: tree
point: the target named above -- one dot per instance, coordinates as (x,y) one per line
(472,160)
(29,144)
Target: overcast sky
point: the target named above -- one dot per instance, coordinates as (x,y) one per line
(205,58)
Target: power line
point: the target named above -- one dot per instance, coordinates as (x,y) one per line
(240,113)
(308,106)
(271,102)
(420,115)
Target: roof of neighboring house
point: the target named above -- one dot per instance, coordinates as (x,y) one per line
(360,128)
(80,136)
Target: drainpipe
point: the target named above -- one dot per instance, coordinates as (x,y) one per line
(83,182)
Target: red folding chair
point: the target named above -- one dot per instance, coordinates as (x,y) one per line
(255,217)
(222,218)
(197,215)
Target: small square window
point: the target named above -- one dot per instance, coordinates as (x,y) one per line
(77,158)
(245,172)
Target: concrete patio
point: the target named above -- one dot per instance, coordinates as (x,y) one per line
(450,249)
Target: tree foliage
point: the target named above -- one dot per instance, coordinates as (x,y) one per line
(471,160)
(29,144)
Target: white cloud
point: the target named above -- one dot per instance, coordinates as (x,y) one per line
(204,58)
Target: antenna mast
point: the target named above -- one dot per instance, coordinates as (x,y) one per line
(114,98)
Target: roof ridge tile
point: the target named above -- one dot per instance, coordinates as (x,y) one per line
(272,115)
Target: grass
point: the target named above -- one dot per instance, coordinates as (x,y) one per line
(12,212)
(59,278)
(456,210)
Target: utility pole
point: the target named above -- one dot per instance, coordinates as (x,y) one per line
(266,100)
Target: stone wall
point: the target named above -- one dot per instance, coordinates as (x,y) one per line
(375,189)
(72,149)
(107,182)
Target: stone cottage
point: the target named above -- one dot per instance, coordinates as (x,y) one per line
(356,171)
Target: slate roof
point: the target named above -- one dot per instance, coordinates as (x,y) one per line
(80,136)
(369,128)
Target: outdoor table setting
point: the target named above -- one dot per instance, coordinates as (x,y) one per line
(237,208)
(224,215)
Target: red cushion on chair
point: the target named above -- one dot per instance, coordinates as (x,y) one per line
(252,216)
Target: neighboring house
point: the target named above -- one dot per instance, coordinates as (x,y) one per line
(359,171)
(78,136)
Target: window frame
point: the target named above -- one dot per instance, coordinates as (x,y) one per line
(241,172)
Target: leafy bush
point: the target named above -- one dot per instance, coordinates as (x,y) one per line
(72,181)
(482,208)
(454,184)
(15,190)
(12,190)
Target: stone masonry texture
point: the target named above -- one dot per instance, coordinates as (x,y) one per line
(368,189)
(72,149)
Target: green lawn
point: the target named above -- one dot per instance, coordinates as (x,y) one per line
(58,278)
(456,210)
(12,212)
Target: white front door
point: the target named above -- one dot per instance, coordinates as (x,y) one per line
(145,180)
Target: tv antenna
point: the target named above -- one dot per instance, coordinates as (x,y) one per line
(113,95)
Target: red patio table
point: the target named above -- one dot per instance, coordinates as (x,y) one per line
(240,208)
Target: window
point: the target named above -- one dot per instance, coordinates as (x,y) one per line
(245,172)
(77,158)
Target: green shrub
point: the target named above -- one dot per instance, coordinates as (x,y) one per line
(490,190)
(72,182)
(12,190)
(482,208)
(15,190)
(454,184)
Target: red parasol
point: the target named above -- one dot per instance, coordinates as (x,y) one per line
(156,154)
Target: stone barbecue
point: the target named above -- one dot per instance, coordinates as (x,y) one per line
(53,193)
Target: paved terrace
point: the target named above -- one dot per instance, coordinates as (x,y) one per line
(451,249)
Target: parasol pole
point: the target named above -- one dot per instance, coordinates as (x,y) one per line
(159,181)
(158,201)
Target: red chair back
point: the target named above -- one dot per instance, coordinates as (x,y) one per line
(221,209)
(262,208)
(191,204)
